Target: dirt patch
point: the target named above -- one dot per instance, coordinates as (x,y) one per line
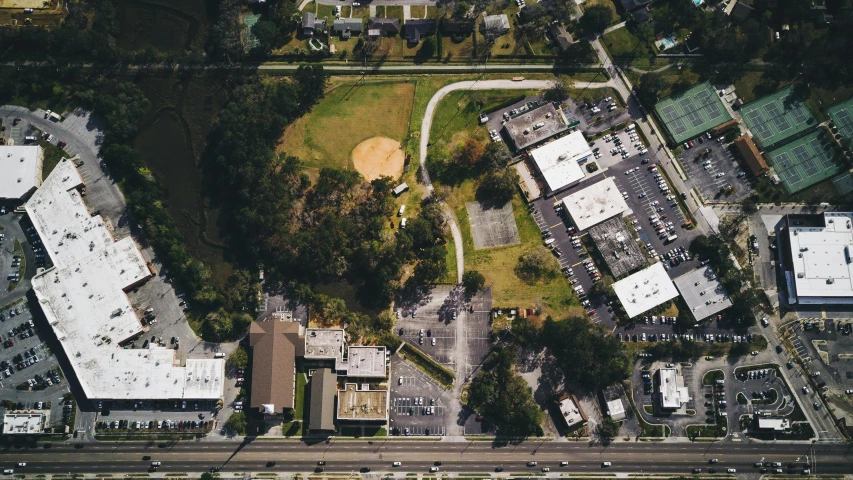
(378,157)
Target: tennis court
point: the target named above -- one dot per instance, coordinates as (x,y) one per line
(776,117)
(691,113)
(842,116)
(804,162)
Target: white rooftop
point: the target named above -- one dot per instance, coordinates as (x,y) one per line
(366,362)
(558,160)
(777,424)
(703,292)
(672,389)
(83,298)
(20,169)
(822,259)
(616,409)
(23,423)
(571,412)
(645,290)
(595,204)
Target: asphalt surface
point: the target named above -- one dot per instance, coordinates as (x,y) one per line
(418,456)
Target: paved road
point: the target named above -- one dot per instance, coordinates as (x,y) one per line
(348,456)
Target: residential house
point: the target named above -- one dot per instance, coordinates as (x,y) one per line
(629,5)
(347,27)
(414,30)
(740,9)
(641,15)
(561,37)
(377,26)
(495,25)
(311,24)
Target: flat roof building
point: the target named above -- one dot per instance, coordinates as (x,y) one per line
(614,405)
(616,409)
(367,362)
(325,344)
(20,170)
(24,423)
(703,293)
(671,389)
(774,424)
(559,161)
(84,301)
(645,290)
(570,410)
(534,127)
(362,405)
(595,204)
(818,258)
(617,246)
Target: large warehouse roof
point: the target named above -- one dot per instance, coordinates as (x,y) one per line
(558,160)
(595,204)
(703,292)
(83,298)
(20,170)
(645,290)
(534,126)
(822,259)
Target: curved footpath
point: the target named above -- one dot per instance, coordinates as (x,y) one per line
(426,126)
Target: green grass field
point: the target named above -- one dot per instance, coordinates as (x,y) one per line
(351,113)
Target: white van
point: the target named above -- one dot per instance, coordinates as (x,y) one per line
(219,355)
(630,128)
(403,223)
(401,211)
(549,241)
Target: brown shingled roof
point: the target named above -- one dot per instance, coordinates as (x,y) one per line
(752,156)
(275,346)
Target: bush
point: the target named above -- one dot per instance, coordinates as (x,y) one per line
(536,265)
(591,167)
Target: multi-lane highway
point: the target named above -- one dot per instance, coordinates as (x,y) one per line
(419,456)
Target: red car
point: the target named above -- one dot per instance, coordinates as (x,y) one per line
(61,144)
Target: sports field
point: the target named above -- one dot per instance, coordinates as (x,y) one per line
(842,116)
(687,115)
(776,117)
(804,162)
(351,113)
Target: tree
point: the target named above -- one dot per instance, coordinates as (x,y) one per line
(239,358)
(207,476)
(536,265)
(559,91)
(427,50)
(497,187)
(237,423)
(386,319)
(587,354)
(470,152)
(504,397)
(749,206)
(496,156)
(472,281)
(268,35)
(651,84)
(608,430)
(595,19)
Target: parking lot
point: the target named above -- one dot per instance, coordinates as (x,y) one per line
(755,384)
(595,121)
(418,403)
(712,167)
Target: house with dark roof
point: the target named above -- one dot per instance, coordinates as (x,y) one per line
(741,9)
(321,411)
(457,26)
(561,37)
(629,5)
(377,26)
(641,15)
(495,25)
(275,342)
(347,27)
(414,30)
(310,24)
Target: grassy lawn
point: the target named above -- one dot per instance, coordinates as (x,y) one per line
(294,428)
(417,11)
(52,156)
(709,431)
(624,46)
(351,113)
(451,50)
(711,377)
(391,11)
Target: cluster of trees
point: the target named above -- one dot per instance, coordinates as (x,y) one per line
(536,265)
(276,25)
(586,353)
(504,398)
(487,163)
(745,298)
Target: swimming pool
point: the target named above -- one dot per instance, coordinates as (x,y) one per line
(698,2)
(666,43)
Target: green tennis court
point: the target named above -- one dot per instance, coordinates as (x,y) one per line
(688,114)
(776,117)
(842,116)
(804,162)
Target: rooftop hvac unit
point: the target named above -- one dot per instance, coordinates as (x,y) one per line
(830,281)
(801,275)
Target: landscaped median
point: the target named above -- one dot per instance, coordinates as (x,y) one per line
(429,366)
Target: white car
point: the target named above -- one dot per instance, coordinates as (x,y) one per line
(606,464)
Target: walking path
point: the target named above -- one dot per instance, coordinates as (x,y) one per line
(426,126)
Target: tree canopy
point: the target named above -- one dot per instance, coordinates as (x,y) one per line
(585,353)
